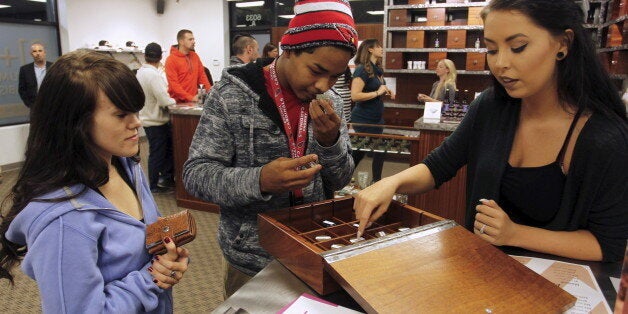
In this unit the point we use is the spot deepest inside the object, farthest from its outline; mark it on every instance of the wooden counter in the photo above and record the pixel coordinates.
(449, 201)
(184, 122)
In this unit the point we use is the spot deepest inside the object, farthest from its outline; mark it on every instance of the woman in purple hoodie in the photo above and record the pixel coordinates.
(81, 203)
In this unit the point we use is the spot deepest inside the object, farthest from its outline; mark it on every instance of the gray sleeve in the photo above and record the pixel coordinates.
(208, 173)
(336, 160)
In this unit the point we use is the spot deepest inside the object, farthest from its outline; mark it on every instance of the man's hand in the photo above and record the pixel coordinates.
(285, 174)
(325, 122)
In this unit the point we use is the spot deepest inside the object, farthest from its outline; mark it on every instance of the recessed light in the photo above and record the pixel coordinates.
(249, 4)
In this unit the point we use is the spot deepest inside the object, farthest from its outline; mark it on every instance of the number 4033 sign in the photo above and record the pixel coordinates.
(253, 18)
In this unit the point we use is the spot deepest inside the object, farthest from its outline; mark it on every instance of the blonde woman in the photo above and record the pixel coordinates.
(446, 71)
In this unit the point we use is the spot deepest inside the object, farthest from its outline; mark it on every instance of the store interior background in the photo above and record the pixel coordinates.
(86, 22)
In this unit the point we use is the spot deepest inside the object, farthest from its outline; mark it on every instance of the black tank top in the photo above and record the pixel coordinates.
(532, 195)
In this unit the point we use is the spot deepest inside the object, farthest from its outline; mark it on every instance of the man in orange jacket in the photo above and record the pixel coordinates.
(184, 69)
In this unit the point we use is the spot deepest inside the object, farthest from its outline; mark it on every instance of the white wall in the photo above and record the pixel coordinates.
(13, 139)
(85, 22)
(119, 21)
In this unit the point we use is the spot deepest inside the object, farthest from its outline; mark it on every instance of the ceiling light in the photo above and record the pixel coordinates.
(249, 4)
(286, 16)
(2, 6)
(39, 0)
(375, 12)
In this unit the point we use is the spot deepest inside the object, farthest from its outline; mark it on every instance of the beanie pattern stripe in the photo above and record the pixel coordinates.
(326, 6)
(321, 23)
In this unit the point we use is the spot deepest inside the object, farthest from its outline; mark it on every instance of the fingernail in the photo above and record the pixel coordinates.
(155, 280)
(483, 200)
(150, 269)
(167, 239)
(152, 260)
(156, 257)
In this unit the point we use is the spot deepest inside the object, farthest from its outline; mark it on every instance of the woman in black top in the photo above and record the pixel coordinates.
(546, 147)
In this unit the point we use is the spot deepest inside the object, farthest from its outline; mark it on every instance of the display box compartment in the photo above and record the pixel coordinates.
(433, 58)
(394, 60)
(436, 16)
(474, 16)
(415, 39)
(456, 38)
(398, 18)
(428, 266)
(476, 61)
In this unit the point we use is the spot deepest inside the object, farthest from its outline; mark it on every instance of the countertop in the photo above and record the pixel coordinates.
(420, 125)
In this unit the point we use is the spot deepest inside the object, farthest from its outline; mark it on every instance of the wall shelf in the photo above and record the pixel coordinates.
(413, 71)
(434, 28)
(462, 50)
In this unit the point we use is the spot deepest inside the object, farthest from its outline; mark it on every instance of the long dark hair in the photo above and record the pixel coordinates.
(60, 151)
(363, 57)
(581, 79)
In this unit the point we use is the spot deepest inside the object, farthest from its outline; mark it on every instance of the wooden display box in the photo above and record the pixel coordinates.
(394, 60)
(474, 16)
(433, 58)
(425, 267)
(398, 18)
(415, 39)
(435, 16)
(476, 61)
(290, 234)
(456, 38)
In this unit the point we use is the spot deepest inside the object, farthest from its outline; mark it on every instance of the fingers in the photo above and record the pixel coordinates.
(294, 163)
(162, 274)
(323, 114)
(171, 249)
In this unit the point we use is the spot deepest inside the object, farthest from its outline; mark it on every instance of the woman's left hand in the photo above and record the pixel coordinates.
(168, 269)
(493, 224)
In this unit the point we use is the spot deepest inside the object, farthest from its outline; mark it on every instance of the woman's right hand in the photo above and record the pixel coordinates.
(382, 90)
(371, 203)
(422, 97)
(167, 269)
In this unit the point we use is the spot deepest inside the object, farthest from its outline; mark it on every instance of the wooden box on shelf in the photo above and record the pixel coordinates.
(394, 60)
(433, 58)
(435, 16)
(400, 271)
(456, 38)
(476, 61)
(474, 16)
(417, 1)
(398, 18)
(415, 39)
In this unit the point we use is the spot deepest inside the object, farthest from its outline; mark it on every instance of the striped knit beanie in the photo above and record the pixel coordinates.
(321, 23)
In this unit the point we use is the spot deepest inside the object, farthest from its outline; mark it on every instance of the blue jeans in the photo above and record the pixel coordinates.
(160, 161)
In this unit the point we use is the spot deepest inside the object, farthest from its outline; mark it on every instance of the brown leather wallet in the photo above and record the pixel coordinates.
(180, 227)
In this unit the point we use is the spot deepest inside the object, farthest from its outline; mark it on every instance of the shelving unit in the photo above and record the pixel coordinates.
(612, 39)
(411, 33)
(411, 30)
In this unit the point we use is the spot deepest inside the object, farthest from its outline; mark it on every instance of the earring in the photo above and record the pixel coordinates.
(560, 55)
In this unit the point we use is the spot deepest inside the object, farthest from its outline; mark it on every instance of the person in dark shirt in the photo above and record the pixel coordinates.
(545, 147)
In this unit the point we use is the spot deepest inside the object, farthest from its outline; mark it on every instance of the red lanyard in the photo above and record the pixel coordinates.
(297, 148)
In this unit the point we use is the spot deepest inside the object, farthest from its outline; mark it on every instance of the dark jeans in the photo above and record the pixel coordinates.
(378, 158)
(376, 167)
(160, 162)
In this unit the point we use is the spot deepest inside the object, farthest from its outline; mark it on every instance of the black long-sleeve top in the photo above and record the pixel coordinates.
(595, 196)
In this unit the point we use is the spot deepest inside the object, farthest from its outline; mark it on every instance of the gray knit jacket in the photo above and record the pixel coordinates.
(240, 131)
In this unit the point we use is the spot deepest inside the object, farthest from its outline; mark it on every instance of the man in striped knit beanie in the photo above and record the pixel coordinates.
(272, 135)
